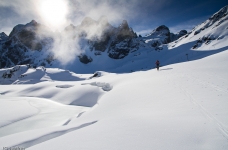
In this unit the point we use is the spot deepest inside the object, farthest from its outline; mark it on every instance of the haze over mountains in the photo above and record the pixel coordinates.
(97, 45)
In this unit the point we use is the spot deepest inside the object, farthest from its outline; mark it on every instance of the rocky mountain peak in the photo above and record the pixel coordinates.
(159, 31)
(103, 20)
(87, 21)
(32, 35)
(183, 32)
(3, 36)
(162, 28)
(162, 35)
(124, 32)
(33, 23)
(70, 27)
(31, 26)
(124, 25)
(221, 13)
(176, 36)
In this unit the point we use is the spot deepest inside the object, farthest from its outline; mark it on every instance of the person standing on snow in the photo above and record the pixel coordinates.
(157, 64)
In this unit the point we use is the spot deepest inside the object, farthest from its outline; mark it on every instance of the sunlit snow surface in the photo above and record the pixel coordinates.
(182, 106)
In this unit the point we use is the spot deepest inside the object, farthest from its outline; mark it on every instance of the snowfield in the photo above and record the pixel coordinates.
(128, 105)
(182, 106)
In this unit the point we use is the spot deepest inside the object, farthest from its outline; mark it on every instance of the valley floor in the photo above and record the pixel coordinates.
(182, 106)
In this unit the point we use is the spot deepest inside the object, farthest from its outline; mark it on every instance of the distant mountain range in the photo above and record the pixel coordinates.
(97, 45)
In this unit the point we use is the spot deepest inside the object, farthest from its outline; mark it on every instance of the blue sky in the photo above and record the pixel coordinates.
(178, 14)
(142, 15)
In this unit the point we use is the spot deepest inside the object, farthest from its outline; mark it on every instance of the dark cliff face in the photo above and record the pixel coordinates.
(3, 36)
(31, 35)
(182, 33)
(170, 37)
(110, 38)
(219, 15)
(124, 32)
(12, 53)
(162, 28)
(18, 48)
(29, 39)
(101, 42)
(123, 42)
(174, 37)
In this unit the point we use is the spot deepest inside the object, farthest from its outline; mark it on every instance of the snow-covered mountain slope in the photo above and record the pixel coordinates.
(161, 35)
(26, 44)
(182, 106)
(24, 74)
(211, 34)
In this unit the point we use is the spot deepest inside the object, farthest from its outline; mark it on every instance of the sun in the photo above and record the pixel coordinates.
(53, 12)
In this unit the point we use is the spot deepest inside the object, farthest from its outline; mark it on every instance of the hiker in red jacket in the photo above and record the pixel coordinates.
(157, 64)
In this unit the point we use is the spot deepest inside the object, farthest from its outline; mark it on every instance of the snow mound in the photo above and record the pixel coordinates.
(62, 75)
(9, 75)
(23, 74)
(31, 76)
(103, 85)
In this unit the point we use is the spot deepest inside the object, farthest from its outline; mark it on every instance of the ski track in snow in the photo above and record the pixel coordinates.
(208, 115)
(21, 119)
(211, 85)
(49, 136)
(46, 111)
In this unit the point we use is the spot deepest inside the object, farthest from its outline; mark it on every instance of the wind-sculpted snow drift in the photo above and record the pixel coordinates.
(25, 74)
(50, 96)
(103, 85)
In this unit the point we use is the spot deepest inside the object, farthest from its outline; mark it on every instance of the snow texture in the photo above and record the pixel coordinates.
(182, 106)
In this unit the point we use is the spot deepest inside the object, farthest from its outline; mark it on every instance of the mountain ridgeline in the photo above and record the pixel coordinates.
(32, 43)
(97, 45)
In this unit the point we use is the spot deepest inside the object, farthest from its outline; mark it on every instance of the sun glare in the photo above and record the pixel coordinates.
(53, 12)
